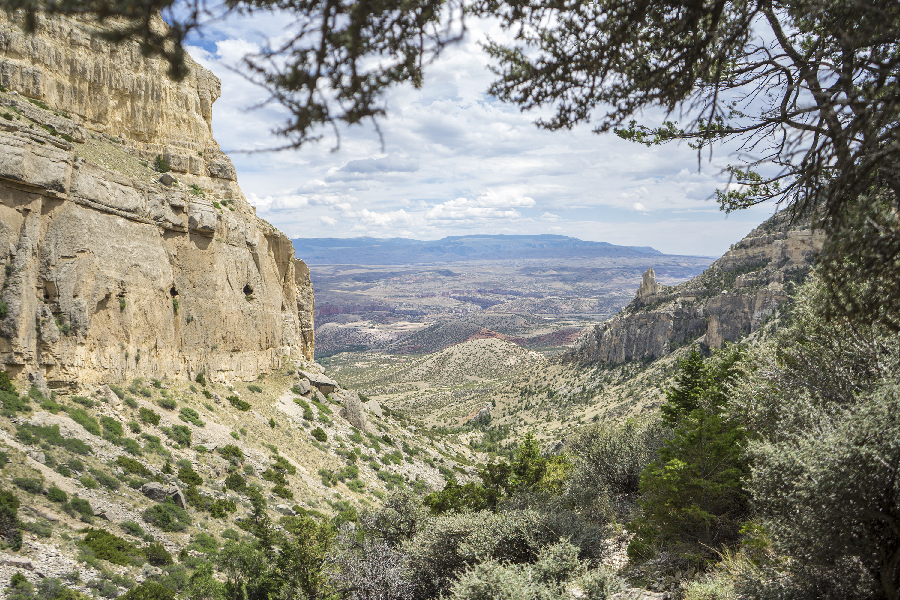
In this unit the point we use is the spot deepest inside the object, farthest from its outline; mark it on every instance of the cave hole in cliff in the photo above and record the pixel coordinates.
(173, 292)
(50, 290)
(248, 291)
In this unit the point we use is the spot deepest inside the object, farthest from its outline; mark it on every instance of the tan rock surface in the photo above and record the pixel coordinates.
(111, 274)
(708, 307)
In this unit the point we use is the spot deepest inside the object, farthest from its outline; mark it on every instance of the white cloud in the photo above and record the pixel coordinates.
(454, 161)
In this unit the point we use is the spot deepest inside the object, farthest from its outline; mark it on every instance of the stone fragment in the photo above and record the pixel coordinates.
(105, 393)
(303, 386)
(374, 407)
(37, 456)
(167, 179)
(353, 410)
(159, 492)
(17, 562)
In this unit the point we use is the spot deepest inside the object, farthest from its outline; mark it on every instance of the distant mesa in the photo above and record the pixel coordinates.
(396, 251)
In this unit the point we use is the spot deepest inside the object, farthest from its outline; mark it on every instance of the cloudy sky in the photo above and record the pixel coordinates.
(455, 161)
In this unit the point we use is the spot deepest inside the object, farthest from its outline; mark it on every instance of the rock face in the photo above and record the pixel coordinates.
(109, 273)
(649, 288)
(729, 300)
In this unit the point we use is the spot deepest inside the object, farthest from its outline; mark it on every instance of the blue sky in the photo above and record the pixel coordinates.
(456, 161)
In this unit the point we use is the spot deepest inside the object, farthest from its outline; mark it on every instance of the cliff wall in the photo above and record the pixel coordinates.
(112, 270)
(731, 299)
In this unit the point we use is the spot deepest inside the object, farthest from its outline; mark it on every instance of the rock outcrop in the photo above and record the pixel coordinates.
(731, 299)
(111, 273)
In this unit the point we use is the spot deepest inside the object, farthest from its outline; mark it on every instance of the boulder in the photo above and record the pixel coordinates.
(159, 492)
(167, 179)
(16, 562)
(303, 386)
(353, 410)
(373, 407)
(37, 456)
(105, 393)
(325, 384)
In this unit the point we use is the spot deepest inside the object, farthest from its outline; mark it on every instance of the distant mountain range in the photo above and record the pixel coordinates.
(396, 251)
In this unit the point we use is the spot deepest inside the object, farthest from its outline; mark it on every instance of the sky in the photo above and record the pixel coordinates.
(455, 161)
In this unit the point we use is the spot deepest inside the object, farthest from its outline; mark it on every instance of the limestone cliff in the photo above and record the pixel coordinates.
(110, 273)
(727, 301)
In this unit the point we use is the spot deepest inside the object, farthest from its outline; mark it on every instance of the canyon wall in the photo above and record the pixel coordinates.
(112, 269)
(731, 299)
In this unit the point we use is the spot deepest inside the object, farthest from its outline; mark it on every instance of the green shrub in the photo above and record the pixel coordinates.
(356, 437)
(319, 434)
(32, 485)
(201, 379)
(54, 494)
(491, 580)
(274, 476)
(254, 388)
(130, 402)
(81, 507)
(131, 446)
(12, 403)
(283, 492)
(112, 426)
(322, 408)
(118, 391)
(6, 384)
(149, 590)
(444, 546)
(235, 482)
(89, 482)
(132, 528)
(146, 415)
(85, 420)
(9, 521)
(168, 516)
(204, 542)
(220, 508)
(134, 426)
(167, 403)
(85, 402)
(207, 394)
(189, 415)
(157, 555)
(180, 434)
(238, 403)
(130, 465)
(283, 465)
(112, 548)
(105, 479)
(41, 528)
(231, 452)
(189, 476)
(160, 164)
(76, 465)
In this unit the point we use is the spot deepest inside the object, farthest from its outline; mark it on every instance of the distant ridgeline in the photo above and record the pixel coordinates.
(729, 300)
(398, 251)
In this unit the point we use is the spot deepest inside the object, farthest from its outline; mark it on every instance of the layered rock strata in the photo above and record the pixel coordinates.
(111, 274)
(731, 299)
